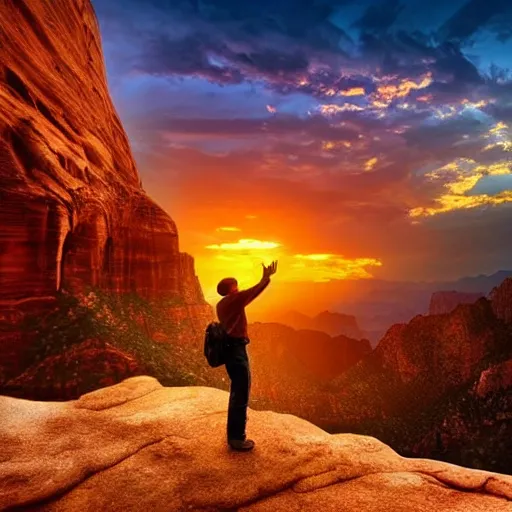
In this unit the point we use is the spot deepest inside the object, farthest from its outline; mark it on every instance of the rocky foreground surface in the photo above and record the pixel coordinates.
(140, 446)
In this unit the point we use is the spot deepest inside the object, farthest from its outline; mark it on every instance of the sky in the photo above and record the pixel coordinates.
(348, 139)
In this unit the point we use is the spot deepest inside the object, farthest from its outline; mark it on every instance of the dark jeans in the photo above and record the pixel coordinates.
(237, 366)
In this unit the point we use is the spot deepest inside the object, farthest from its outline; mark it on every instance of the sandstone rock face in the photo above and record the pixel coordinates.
(72, 209)
(73, 213)
(446, 301)
(140, 446)
(188, 283)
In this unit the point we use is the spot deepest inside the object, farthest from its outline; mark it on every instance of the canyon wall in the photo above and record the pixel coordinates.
(447, 348)
(73, 213)
(438, 386)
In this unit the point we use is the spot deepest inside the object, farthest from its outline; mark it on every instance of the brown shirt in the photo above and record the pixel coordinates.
(231, 309)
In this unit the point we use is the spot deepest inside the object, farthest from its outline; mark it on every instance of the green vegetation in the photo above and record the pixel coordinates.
(128, 323)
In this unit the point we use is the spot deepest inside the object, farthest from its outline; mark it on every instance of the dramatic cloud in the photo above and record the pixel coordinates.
(360, 138)
(228, 228)
(326, 267)
(244, 244)
(471, 17)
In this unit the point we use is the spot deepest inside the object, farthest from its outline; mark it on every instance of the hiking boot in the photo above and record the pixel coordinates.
(241, 445)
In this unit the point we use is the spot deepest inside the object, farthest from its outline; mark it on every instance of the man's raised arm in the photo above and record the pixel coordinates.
(247, 296)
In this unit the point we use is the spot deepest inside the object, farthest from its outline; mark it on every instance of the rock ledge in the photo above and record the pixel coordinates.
(140, 446)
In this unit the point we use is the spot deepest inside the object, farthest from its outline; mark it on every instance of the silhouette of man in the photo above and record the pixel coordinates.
(231, 314)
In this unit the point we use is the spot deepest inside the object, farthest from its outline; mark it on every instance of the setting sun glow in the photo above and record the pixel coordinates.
(242, 258)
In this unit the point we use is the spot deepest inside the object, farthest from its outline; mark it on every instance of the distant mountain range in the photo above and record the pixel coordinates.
(376, 305)
(437, 386)
(381, 304)
(481, 283)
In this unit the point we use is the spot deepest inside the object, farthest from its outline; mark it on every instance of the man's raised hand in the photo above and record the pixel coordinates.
(271, 269)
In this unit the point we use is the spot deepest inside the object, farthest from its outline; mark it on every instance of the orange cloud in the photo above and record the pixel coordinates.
(332, 109)
(381, 99)
(460, 177)
(353, 91)
(329, 145)
(389, 92)
(370, 164)
(500, 125)
(328, 267)
(450, 202)
(500, 136)
(244, 244)
(379, 104)
(228, 228)
(478, 104)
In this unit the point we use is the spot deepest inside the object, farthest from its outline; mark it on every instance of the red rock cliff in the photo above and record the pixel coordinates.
(73, 213)
(448, 348)
(72, 209)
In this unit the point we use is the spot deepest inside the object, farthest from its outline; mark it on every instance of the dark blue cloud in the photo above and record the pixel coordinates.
(393, 82)
(471, 17)
(379, 17)
(228, 41)
(365, 104)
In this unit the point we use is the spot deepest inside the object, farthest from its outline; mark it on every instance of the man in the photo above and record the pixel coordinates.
(231, 314)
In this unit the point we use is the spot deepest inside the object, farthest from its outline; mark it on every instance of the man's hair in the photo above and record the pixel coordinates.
(225, 285)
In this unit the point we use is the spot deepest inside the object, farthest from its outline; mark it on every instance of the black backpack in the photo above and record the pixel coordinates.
(215, 340)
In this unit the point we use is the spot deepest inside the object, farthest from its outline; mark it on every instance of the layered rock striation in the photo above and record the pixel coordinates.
(73, 213)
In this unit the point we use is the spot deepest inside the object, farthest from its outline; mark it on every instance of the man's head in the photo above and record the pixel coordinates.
(227, 285)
